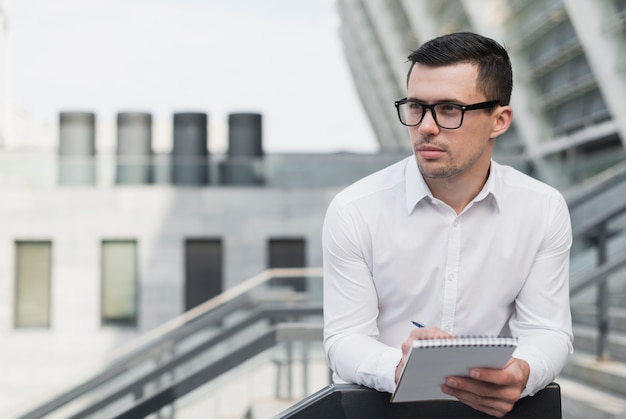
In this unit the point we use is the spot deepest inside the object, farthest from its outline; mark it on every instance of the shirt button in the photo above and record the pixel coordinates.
(455, 223)
(451, 277)
(448, 329)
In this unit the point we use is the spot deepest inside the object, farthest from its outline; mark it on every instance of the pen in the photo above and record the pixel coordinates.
(417, 324)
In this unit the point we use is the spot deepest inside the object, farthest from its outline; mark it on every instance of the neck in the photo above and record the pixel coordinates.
(457, 193)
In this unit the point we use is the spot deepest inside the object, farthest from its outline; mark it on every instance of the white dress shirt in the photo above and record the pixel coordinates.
(393, 253)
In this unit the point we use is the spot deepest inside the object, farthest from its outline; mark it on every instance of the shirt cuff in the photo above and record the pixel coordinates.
(386, 369)
(536, 377)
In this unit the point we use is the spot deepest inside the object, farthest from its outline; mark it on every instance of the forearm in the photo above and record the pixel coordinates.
(542, 319)
(363, 360)
(546, 354)
(351, 332)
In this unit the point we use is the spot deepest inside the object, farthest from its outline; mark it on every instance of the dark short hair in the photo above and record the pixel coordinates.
(495, 75)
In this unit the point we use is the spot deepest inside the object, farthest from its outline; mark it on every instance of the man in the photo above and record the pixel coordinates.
(450, 239)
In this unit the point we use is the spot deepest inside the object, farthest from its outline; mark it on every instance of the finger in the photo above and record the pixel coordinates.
(490, 405)
(492, 375)
(429, 333)
(406, 346)
(508, 393)
(468, 385)
(512, 374)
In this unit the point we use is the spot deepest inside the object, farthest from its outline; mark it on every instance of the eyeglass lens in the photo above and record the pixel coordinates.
(445, 115)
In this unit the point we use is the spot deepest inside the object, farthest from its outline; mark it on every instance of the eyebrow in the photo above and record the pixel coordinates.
(460, 102)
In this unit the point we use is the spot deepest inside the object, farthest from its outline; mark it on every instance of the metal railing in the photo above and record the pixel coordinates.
(197, 347)
(599, 277)
(596, 230)
(284, 332)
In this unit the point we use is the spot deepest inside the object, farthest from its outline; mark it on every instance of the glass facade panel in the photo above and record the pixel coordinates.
(549, 47)
(579, 112)
(119, 283)
(203, 270)
(287, 253)
(33, 267)
(565, 77)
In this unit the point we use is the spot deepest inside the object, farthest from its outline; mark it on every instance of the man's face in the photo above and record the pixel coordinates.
(445, 153)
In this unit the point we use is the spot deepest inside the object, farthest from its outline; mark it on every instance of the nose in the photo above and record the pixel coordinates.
(428, 124)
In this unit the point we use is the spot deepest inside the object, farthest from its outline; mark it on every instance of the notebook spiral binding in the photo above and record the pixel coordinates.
(464, 341)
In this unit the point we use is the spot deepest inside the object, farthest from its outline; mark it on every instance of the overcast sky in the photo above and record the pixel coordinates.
(282, 58)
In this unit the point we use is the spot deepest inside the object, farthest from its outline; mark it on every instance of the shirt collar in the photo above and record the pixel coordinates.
(416, 188)
(493, 186)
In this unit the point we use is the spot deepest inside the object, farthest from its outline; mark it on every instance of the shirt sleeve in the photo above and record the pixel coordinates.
(351, 307)
(542, 318)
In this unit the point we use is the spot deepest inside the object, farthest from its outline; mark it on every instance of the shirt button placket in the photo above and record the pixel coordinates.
(452, 268)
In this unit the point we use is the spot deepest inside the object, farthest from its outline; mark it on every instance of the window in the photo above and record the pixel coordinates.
(579, 112)
(32, 290)
(553, 44)
(565, 77)
(287, 253)
(203, 270)
(119, 283)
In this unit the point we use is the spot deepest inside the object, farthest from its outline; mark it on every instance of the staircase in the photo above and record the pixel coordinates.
(222, 359)
(593, 384)
(593, 387)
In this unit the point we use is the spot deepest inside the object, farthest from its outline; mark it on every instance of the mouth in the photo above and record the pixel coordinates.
(430, 152)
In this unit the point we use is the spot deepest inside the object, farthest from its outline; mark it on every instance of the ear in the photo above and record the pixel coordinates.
(503, 116)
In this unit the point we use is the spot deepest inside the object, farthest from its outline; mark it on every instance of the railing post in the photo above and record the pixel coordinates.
(289, 368)
(138, 392)
(165, 356)
(602, 301)
(305, 369)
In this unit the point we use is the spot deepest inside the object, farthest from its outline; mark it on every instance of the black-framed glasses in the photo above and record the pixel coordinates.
(446, 115)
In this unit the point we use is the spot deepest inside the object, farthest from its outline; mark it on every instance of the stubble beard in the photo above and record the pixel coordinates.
(445, 170)
(436, 173)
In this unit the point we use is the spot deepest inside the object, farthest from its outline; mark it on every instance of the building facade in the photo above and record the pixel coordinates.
(569, 61)
(98, 249)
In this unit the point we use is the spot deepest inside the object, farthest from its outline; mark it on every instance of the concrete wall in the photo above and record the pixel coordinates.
(34, 362)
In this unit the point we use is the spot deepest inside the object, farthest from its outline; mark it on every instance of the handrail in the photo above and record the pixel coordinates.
(599, 277)
(161, 338)
(279, 333)
(591, 224)
(130, 357)
(594, 229)
(219, 366)
(159, 333)
(599, 273)
(581, 193)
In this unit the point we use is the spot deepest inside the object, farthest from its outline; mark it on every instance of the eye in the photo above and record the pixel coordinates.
(414, 105)
(448, 108)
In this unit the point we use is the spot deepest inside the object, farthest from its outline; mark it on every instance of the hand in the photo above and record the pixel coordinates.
(417, 334)
(491, 391)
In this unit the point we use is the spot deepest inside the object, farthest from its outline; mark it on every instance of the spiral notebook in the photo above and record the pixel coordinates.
(430, 361)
